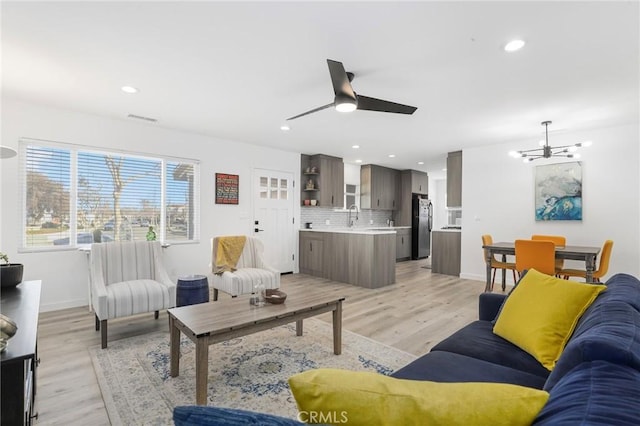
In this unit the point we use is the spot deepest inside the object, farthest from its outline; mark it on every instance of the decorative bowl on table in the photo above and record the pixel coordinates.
(275, 296)
(8, 329)
(10, 274)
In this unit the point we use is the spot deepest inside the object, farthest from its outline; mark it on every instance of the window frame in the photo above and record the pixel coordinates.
(74, 150)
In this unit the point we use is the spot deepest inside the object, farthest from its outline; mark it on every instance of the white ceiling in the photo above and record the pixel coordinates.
(238, 70)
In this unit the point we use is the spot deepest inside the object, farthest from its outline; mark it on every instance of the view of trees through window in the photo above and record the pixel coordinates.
(86, 196)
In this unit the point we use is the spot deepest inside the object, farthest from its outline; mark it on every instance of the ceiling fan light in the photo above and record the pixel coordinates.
(346, 106)
(345, 103)
(514, 45)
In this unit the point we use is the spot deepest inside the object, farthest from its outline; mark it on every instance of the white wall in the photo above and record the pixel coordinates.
(498, 198)
(64, 274)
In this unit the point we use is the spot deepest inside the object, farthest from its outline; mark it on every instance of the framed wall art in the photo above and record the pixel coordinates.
(226, 188)
(558, 191)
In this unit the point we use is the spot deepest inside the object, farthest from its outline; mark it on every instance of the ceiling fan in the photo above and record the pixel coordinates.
(346, 100)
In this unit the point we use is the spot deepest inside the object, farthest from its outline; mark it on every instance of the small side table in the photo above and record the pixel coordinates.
(192, 289)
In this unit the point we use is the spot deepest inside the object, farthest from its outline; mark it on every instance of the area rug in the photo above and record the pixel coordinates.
(248, 373)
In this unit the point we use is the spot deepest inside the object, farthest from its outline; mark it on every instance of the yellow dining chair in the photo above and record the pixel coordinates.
(558, 241)
(536, 254)
(603, 267)
(487, 240)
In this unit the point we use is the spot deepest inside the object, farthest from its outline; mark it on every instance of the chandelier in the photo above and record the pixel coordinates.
(546, 151)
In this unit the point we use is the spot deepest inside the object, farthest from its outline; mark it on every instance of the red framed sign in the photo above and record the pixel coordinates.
(226, 188)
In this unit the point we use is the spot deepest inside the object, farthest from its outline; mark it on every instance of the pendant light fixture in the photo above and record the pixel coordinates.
(547, 151)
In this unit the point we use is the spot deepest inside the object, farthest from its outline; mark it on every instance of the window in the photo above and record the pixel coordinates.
(76, 195)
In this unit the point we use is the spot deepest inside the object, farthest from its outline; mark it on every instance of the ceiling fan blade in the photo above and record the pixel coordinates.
(311, 112)
(373, 104)
(340, 80)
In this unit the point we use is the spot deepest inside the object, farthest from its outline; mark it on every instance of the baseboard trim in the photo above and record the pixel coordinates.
(48, 307)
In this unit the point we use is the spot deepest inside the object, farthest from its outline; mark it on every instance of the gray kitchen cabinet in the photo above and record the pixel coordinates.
(327, 175)
(403, 244)
(454, 179)
(364, 259)
(410, 182)
(378, 188)
(419, 182)
(445, 252)
(311, 253)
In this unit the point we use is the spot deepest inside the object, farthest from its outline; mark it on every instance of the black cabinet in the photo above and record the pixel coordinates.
(20, 360)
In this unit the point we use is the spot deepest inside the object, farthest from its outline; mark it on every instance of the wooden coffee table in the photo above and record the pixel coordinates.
(209, 323)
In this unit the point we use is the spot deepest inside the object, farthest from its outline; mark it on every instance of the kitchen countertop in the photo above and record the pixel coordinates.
(367, 231)
(446, 230)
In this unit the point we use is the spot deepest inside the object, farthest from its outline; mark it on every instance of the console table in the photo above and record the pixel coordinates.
(19, 361)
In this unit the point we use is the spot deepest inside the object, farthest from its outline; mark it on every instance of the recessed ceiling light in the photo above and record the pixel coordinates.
(285, 128)
(421, 162)
(129, 89)
(392, 155)
(358, 161)
(514, 45)
(355, 146)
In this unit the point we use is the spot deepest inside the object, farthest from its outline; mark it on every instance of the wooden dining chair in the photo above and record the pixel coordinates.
(487, 240)
(536, 254)
(603, 267)
(558, 240)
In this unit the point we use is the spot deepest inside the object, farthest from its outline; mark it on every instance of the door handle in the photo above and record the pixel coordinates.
(257, 230)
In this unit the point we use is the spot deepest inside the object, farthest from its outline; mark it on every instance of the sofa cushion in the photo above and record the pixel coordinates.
(442, 366)
(198, 415)
(477, 340)
(365, 398)
(623, 288)
(541, 313)
(610, 332)
(594, 393)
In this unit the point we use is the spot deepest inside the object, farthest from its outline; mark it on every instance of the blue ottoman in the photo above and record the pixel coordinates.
(192, 289)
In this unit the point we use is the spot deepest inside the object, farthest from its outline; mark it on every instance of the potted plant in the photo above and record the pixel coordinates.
(10, 273)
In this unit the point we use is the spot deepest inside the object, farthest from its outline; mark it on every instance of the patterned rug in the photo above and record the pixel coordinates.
(249, 373)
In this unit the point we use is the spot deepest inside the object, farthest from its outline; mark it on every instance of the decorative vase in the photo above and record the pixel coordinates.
(10, 274)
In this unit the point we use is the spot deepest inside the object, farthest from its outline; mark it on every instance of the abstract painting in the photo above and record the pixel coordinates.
(559, 191)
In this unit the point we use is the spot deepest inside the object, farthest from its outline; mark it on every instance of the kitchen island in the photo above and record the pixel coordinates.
(446, 251)
(362, 257)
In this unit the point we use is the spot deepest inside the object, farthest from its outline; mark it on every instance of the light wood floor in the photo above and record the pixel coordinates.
(412, 315)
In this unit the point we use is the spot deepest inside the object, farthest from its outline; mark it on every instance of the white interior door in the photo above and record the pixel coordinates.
(273, 217)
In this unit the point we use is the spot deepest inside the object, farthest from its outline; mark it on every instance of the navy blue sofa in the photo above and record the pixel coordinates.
(596, 381)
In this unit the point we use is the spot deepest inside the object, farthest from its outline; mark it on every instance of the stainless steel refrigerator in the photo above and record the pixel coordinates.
(422, 222)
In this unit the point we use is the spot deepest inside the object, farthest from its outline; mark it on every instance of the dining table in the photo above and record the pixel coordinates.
(583, 253)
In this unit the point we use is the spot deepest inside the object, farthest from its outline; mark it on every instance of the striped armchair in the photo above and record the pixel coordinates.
(251, 267)
(128, 278)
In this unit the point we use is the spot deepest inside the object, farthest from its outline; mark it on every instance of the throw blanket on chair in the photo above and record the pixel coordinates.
(227, 253)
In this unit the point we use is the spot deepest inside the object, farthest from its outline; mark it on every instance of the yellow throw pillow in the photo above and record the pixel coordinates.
(332, 396)
(541, 313)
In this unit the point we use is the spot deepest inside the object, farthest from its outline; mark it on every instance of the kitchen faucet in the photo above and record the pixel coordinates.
(349, 221)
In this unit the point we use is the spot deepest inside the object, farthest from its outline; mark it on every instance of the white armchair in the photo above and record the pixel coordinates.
(251, 267)
(128, 278)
